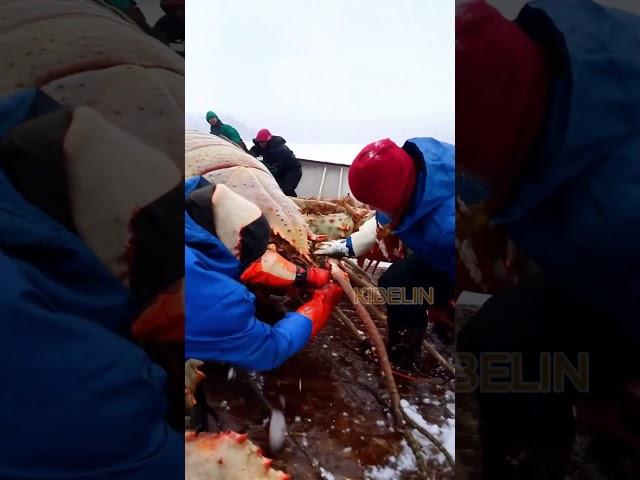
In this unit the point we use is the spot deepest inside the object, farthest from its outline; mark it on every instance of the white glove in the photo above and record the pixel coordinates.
(365, 238)
(361, 242)
(333, 248)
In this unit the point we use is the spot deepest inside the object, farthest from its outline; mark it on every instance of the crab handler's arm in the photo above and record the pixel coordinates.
(64, 314)
(356, 245)
(222, 325)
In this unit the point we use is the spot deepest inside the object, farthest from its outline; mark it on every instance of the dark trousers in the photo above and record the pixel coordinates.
(408, 320)
(535, 319)
(288, 181)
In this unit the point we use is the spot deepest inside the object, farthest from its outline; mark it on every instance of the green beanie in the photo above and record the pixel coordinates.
(211, 115)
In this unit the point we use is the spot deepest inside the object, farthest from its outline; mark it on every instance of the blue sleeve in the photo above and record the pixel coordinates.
(14, 109)
(78, 400)
(433, 240)
(221, 324)
(350, 247)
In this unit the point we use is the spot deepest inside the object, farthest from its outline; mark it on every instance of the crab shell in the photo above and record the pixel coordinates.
(226, 456)
(333, 226)
(84, 53)
(220, 161)
(334, 219)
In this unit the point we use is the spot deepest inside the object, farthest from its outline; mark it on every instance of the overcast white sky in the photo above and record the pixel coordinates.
(331, 71)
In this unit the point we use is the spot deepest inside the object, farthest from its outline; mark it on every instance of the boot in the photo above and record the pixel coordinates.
(405, 346)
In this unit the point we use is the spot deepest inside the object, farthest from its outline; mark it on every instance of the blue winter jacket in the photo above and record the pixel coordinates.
(577, 210)
(78, 400)
(220, 323)
(429, 225)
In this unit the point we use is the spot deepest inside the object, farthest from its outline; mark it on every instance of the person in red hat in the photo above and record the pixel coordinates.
(279, 159)
(548, 141)
(412, 190)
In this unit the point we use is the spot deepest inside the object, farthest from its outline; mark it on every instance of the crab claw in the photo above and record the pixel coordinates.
(321, 238)
(336, 271)
(189, 399)
(192, 377)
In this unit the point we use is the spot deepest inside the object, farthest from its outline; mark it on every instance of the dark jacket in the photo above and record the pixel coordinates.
(577, 211)
(276, 156)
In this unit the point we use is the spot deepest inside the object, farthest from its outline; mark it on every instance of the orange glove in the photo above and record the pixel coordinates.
(163, 321)
(319, 308)
(275, 271)
(313, 277)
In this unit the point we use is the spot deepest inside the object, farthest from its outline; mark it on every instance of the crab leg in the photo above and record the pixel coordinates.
(342, 278)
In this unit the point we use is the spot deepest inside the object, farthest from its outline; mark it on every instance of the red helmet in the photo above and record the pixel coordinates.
(383, 175)
(263, 135)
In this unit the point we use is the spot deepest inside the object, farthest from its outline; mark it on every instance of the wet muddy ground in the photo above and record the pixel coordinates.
(335, 408)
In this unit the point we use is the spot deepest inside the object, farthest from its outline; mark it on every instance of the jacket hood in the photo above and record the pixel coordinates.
(435, 182)
(200, 239)
(575, 138)
(276, 141)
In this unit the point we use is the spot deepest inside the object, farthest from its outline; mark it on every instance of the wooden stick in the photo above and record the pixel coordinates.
(342, 317)
(357, 267)
(359, 281)
(375, 267)
(431, 438)
(367, 282)
(342, 278)
(445, 363)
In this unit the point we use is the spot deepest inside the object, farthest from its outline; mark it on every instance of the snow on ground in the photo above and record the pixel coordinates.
(446, 433)
(405, 461)
(326, 475)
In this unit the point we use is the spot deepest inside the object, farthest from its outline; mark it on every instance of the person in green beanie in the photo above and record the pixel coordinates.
(223, 130)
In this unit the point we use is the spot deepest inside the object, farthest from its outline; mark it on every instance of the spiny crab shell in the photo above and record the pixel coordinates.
(80, 53)
(220, 161)
(333, 219)
(226, 456)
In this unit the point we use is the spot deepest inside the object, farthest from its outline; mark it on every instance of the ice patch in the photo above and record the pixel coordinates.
(404, 462)
(326, 475)
(445, 433)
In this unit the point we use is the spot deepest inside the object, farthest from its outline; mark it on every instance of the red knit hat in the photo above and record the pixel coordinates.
(383, 175)
(263, 135)
(501, 92)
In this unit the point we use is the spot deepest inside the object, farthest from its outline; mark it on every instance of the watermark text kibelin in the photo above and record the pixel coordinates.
(395, 295)
(515, 372)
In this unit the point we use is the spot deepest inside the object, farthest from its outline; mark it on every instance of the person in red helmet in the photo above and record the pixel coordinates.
(279, 159)
(412, 190)
(547, 134)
